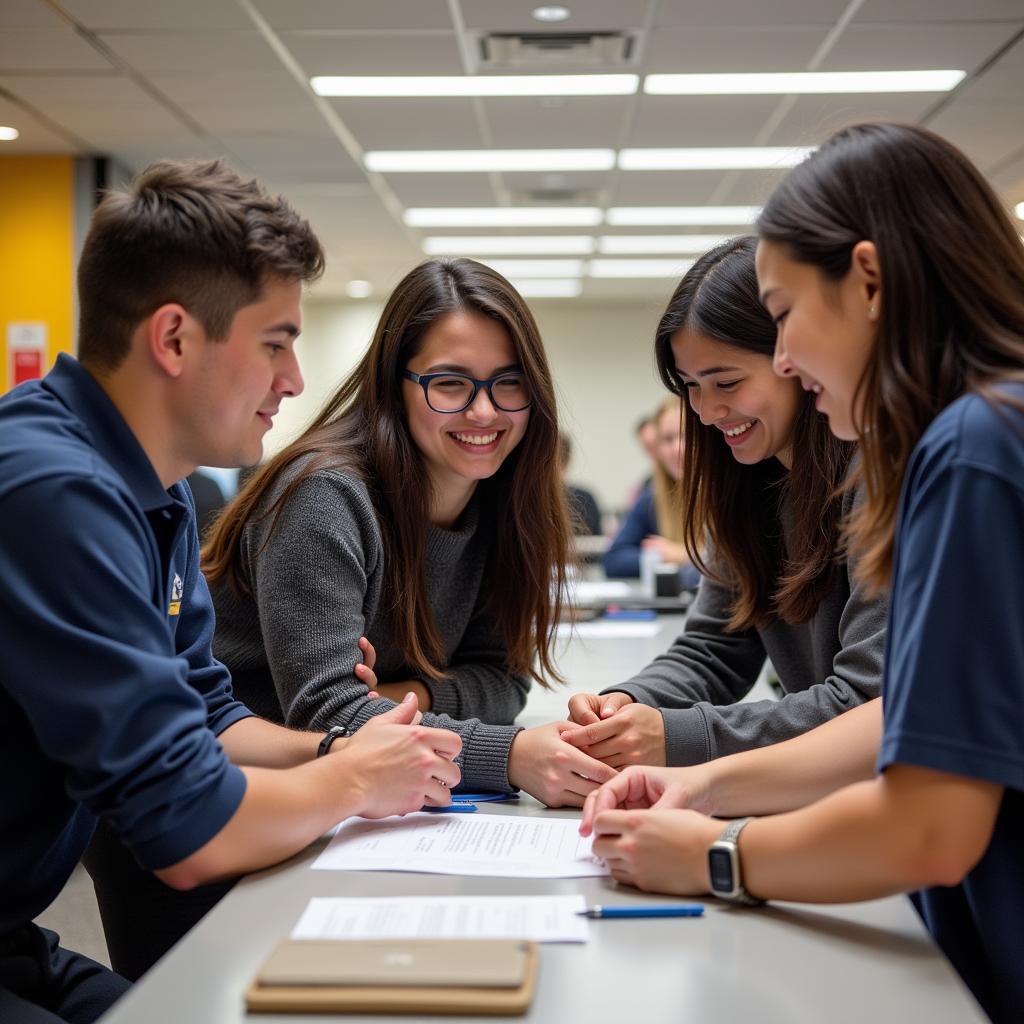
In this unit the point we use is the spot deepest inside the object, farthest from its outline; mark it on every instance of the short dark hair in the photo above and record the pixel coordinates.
(192, 232)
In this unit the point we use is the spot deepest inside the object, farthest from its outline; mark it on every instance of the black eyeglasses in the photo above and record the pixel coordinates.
(453, 392)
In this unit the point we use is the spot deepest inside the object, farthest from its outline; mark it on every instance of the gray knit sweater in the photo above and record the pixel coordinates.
(826, 665)
(292, 646)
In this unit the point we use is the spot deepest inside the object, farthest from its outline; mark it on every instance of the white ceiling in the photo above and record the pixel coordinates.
(142, 79)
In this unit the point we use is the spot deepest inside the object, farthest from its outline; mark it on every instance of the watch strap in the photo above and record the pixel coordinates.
(335, 732)
(730, 838)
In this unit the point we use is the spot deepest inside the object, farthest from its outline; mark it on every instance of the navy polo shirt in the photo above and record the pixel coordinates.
(110, 699)
(954, 673)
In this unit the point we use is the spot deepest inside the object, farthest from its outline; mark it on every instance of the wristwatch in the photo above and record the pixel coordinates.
(724, 866)
(330, 736)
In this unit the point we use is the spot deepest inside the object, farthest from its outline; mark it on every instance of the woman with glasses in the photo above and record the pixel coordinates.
(759, 484)
(422, 511)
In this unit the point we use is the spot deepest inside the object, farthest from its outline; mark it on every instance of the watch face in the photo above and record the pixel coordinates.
(720, 868)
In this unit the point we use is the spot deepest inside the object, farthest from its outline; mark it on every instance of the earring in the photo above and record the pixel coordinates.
(872, 311)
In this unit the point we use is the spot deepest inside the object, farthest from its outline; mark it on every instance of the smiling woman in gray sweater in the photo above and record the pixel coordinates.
(762, 482)
(424, 510)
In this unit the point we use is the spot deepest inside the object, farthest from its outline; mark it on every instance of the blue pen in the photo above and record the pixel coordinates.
(451, 809)
(654, 910)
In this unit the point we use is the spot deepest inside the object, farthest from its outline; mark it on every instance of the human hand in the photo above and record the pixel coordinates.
(642, 787)
(551, 770)
(364, 670)
(631, 735)
(394, 766)
(657, 851)
(587, 708)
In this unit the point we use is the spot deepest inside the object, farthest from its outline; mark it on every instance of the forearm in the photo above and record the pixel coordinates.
(788, 775)
(909, 829)
(257, 743)
(282, 812)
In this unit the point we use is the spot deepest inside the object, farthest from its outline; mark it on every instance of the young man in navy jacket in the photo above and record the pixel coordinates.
(111, 705)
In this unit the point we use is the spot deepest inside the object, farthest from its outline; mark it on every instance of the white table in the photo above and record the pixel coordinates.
(780, 964)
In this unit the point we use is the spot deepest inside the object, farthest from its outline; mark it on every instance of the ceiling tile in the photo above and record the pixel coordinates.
(938, 10)
(47, 49)
(242, 104)
(135, 15)
(297, 158)
(813, 119)
(34, 136)
(921, 45)
(433, 123)
(198, 53)
(443, 189)
(557, 122)
(28, 14)
(387, 54)
(591, 16)
(732, 49)
(700, 120)
(664, 188)
(729, 13)
(356, 15)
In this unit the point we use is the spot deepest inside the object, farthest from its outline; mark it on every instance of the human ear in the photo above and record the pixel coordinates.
(864, 265)
(166, 331)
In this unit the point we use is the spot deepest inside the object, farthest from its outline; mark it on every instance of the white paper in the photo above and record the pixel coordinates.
(608, 629)
(599, 590)
(500, 845)
(537, 918)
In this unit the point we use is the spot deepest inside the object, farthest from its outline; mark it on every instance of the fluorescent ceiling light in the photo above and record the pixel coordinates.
(625, 244)
(474, 85)
(549, 288)
(510, 160)
(8, 134)
(358, 289)
(1019, 210)
(551, 12)
(642, 216)
(638, 268)
(790, 83)
(502, 217)
(522, 269)
(716, 159)
(508, 245)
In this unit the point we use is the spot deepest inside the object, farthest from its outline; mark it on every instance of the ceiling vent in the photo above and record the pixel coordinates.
(532, 50)
(555, 197)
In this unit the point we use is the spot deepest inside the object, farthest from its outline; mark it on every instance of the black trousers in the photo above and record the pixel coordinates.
(41, 983)
(142, 917)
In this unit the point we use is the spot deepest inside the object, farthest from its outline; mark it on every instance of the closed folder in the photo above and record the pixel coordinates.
(416, 976)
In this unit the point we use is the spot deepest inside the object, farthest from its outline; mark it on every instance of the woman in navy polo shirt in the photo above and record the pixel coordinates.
(897, 281)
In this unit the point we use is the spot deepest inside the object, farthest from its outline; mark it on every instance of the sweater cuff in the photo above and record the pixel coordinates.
(687, 737)
(485, 758)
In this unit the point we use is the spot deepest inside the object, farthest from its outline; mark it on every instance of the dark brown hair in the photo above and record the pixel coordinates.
(952, 292)
(363, 426)
(194, 233)
(734, 510)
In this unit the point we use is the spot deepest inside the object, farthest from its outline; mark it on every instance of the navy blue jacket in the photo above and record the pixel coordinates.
(110, 700)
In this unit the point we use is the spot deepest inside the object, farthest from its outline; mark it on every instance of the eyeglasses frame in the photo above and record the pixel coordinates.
(424, 379)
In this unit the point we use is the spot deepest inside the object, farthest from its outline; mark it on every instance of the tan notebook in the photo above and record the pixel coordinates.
(439, 976)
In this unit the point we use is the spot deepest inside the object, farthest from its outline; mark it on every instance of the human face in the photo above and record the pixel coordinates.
(235, 387)
(668, 442)
(735, 391)
(462, 448)
(826, 331)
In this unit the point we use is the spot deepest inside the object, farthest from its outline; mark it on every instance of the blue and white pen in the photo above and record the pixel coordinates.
(652, 910)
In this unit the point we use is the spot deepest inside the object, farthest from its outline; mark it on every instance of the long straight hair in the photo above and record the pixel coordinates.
(363, 426)
(952, 301)
(665, 487)
(735, 510)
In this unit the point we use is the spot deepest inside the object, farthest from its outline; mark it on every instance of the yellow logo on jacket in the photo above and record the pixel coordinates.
(177, 589)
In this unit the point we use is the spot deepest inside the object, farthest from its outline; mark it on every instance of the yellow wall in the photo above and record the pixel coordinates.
(36, 249)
